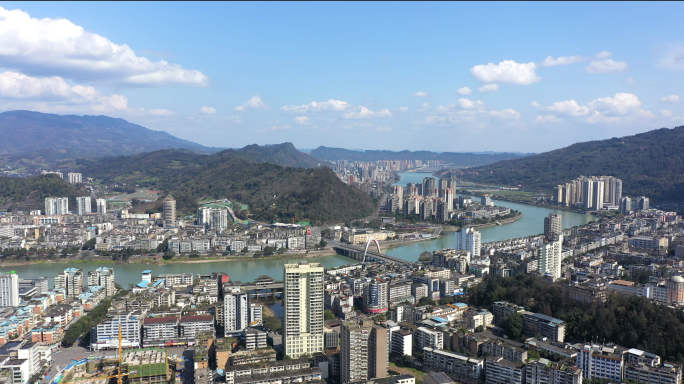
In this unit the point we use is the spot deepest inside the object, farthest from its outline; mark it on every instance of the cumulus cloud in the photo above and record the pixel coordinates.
(462, 103)
(365, 113)
(507, 71)
(302, 120)
(316, 107)
(424, 107)
(601, 110)
(207, 110)
(420, 94)
(464, 91)
(254, 103)
(606, 66)
(546, 119)
(670, 99)
(535, 104)
(160, 112)
(561, 60)
(488, 88)
(402, 109)
(506, 114)
(665, 112)
(53, 94)
(60, 47)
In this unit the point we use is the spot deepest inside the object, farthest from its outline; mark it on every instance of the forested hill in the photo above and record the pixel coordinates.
(457, 159)
(649, 164)
(33, 134)
(30, 193)
(282, 154)
(311, 193)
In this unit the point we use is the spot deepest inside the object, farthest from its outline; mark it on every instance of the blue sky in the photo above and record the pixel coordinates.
(524, 77)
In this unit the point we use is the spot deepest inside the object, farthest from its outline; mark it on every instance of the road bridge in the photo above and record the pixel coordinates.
(357, 253)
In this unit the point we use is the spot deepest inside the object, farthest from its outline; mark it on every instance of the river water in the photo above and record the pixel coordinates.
(532, 223)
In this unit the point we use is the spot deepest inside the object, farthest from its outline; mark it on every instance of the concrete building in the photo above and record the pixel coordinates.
(402, 343)
(71, 280)
(375, 297)
(553, 225)
(600, 362)
(500, 371)
(424, 337)
(551, 257)
(235, 310)
(303, 308)
(158, 330)
(74, 178)
(106, 334)
(503, 309)
(101, 206)
(543, 371)
(83, 205)
(364, 351)
(470, 240)
(169, 208)
(9, 289)
(56, 206)
(453, 364)
(675, 290)
(103, 277)
(667, 373)
(191, 326)
(537, 324)
(213, 217)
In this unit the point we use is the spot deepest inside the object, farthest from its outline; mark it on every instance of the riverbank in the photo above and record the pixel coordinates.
(501, 222)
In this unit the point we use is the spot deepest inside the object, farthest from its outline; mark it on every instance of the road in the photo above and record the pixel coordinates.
(382, 202)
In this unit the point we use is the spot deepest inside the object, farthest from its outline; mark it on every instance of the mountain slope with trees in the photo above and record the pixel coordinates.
(30, 192)
(648, 163)
(313, 193)
(32, 135)
(458, 159)
(282, 154)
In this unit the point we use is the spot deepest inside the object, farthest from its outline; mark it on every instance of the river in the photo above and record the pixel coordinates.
(531, 224)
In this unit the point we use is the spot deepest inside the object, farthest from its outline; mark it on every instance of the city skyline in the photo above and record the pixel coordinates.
(347, 76)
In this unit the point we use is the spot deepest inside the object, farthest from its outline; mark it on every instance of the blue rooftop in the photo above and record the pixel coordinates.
(147, 271)
(143, 284)
(460, 305)
(157, 283)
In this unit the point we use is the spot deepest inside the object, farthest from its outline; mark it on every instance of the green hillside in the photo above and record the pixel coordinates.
(649, 164)
(30, 193)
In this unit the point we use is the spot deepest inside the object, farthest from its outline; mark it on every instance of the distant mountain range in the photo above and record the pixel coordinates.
(648, 163)
(456, 158)
(27, 134)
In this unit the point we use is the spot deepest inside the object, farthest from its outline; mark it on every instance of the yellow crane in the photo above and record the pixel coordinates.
(119, 376)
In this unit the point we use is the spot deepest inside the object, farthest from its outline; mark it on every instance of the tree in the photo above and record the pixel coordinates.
(425, 257)
(90, 244)
(407, 361)
(513, 326)
(168, 255)
(426, 301)
(328, 315)
(269, 251)
(380, 317)
(479, 328)
(323, 243)
(273, 323)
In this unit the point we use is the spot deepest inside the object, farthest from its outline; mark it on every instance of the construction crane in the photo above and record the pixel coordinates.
(119, 376)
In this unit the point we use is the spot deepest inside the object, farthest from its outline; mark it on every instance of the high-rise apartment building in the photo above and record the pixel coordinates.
(56, 206)
(103, 277)
(235, 310)
(169, 207)
(364, 351)
(593, 192)
(375, 296)
(642, 203)
(70, 280)
(429, 186)
(553, 225)
(486, 200)
(101, 206)
(470, 240)
(9, 289)
(551, 256)
(74, 178)
(216, 218)
(625, 205)
(83, 205)
(303, 309)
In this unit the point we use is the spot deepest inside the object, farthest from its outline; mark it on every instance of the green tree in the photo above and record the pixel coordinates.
(168, 255)
(513, 326)
(273, 323)
(328, 315)
(425, 257)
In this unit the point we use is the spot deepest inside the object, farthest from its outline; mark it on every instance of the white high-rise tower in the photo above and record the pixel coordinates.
(470, 240)
(303, 307)
(9, 289)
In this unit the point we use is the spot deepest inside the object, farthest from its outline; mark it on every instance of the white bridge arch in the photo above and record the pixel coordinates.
(372, 239)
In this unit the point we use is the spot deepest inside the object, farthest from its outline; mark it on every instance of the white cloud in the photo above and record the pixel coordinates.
(621, 104)
(365, 113)
(420, 94)
(207, 110)
(603, 55)
(568, 107)
(507, 71)
(670, 99)
(602, 110)
(561, 60)
(254, 103)
(506, 114)
(535, 104)
(461, 104)
(464, 91)
(274, 128)
(488, 88)
(402, 109)
(546, 119)
(302, 120)
(631, 81)
(424, 107)
(53, 94)
(665, 112)
(315, 107)
(59, 47)
(606, 66)
(160, 112)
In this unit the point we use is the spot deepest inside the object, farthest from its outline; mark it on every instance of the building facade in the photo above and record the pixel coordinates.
(303, 309)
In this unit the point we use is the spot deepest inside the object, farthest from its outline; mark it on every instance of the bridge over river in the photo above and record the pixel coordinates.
(358, 253)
